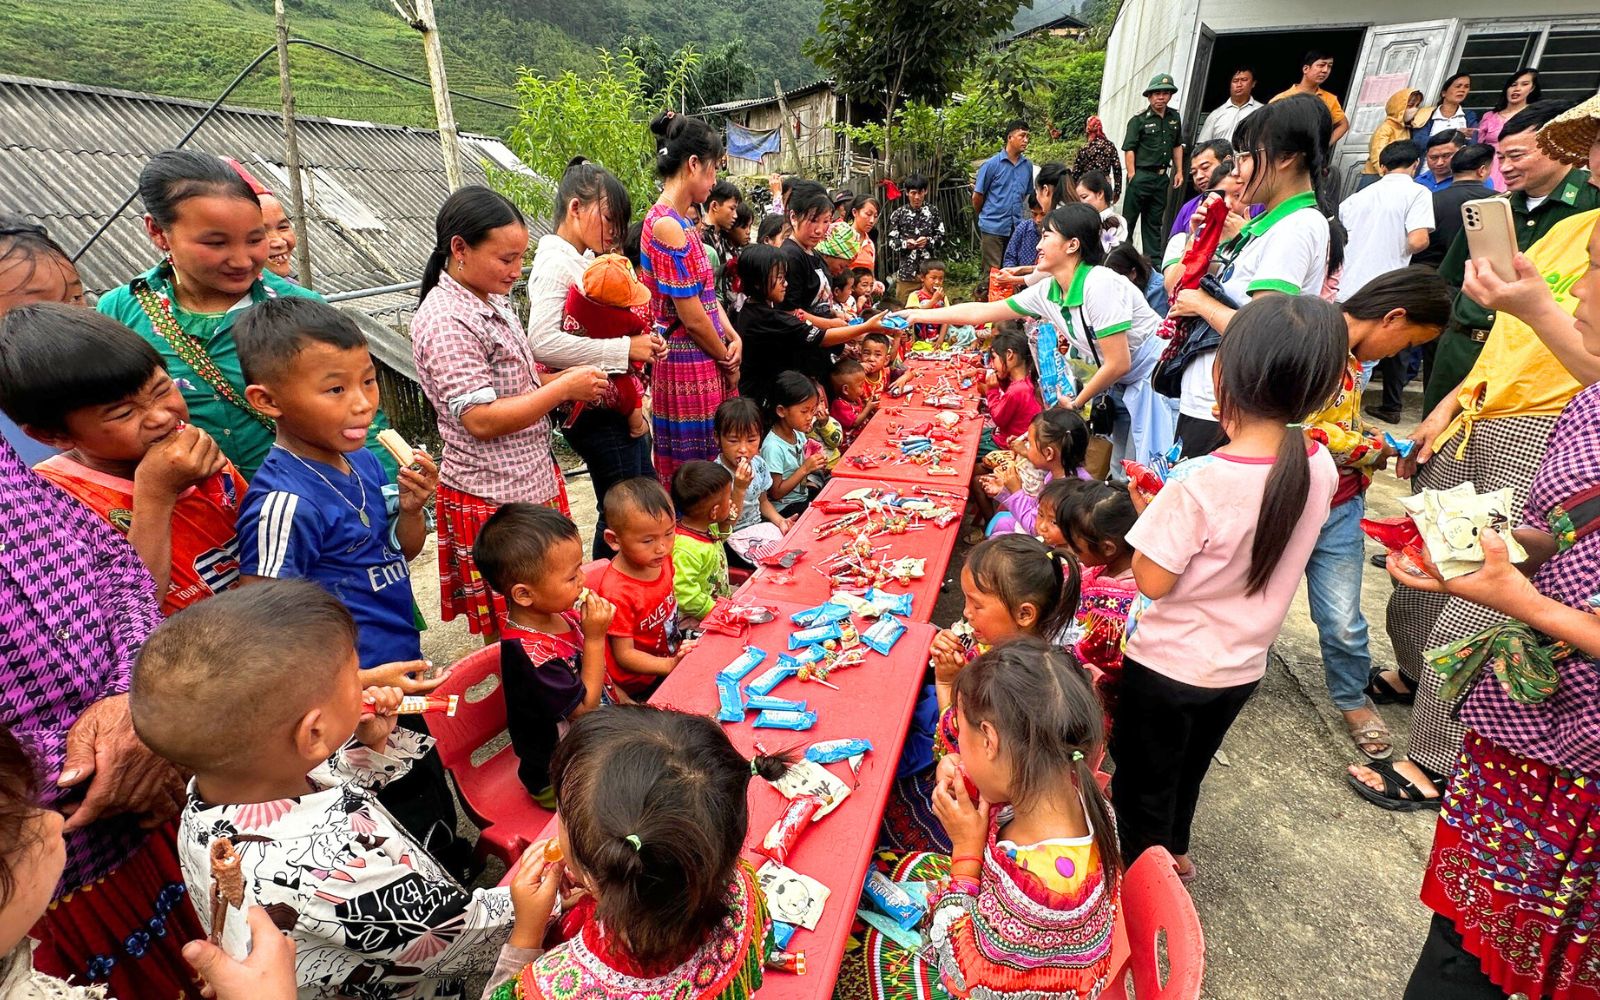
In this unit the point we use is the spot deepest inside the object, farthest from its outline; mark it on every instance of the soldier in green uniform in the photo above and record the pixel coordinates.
(1153, 149)
(1558, 193)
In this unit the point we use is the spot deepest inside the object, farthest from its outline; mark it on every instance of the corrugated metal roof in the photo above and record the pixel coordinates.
(69, 155)
(756, 102)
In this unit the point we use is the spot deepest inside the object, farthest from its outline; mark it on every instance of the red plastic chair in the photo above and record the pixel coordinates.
(491, 791)
(1154, 901)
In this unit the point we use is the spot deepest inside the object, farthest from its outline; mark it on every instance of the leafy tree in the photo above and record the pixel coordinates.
(893, 50)
(724, 73)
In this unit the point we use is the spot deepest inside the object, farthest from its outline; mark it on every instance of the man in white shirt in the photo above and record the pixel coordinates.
(1241, 104)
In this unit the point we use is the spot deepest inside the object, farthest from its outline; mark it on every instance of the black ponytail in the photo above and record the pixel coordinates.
(1282, 360)
(471, 213)
(1020, 569)
(1066, 432)
(1298, 126)
(1012, 341)
(679, 137)
(1080, 222)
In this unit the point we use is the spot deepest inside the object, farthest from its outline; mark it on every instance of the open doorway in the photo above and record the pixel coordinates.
(1275, 57)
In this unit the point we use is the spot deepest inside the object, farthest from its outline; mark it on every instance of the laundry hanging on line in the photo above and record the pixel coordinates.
(751, 145)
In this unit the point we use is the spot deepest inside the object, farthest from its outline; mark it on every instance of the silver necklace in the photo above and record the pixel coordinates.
(361, 511)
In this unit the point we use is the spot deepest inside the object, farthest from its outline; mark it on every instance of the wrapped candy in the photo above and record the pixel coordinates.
(772, 677)
(816, 635)
(884, 633)
(730, 700)
(781, 560)
(788, 961)
(1397, 534)
(823, 614)
(892, 900)
(895, 604)
(811, 654)
(786, 831)
(785, 720)
(742, 664)
(767, 702)
(426, 704)
(858, 605)
(1401, 446)
(1144, 480)
(782, 934)
(830, 751)
(735, 619)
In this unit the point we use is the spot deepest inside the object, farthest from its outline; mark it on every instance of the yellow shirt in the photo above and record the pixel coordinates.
(1516, 375)
(1334, 107)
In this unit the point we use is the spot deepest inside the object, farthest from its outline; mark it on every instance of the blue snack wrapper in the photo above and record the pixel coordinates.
(731, 700)
(823, 614)
(889, 604)
(782, 933)
(894, 322)
(811, 654)
(785, 720)
(884, 633)
(771, 678)
(816, 635)
(881, 891)
(1401, 447)
(832, 751)
(746, 661)
(764, 702)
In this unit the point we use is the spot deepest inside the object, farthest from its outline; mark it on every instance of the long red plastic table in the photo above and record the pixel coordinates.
(874, 702)
(806, 585)
(947, 377)
(894, 421)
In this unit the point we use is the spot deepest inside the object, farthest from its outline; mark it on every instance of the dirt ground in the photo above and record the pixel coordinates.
(1305, 891)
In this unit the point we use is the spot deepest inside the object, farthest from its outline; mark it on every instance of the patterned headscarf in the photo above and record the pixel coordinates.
(1094, 130)
(842, 241)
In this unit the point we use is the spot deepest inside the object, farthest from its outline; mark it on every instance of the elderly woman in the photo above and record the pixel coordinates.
(1098, 153)
(1512, 876)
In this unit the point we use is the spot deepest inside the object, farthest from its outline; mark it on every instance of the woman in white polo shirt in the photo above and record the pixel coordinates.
(1279, 154)
(1099, 316)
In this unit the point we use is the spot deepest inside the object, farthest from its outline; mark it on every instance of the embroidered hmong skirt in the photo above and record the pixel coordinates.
(881, 968)
(686, 387)
(462, 591)
(1516, 868)
(1502, 452)
(127, 929)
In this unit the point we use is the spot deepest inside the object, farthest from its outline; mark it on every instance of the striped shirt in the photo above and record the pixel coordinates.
(301, 519)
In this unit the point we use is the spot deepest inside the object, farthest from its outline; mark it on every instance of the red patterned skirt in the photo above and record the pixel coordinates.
(1516, 868)
(462, 591)
(127, 929)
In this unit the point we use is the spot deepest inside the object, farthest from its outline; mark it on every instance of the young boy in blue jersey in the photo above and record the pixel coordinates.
(317, 509)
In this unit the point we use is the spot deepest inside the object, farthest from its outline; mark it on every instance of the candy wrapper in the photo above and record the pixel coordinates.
(797, 721)
(806, 777)
(782, 560)
(1452, 521)
(427, 704)
(831, 751)
(826, 613)
(1397, 534)
(782, 934)
(787, 961)
(791, 823)
(1401, 446)
(772, 677)
(792, 897)
(742, 664)
(816, 635)
(892, 900)
(859, 606)
(769, 703)
(1144, 480)
(890, 604)
(811, 654)
(895, 322)
(884, 633)
(735, 619)
(730, 700)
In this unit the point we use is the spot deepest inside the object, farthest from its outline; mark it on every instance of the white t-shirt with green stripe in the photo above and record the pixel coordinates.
(1287, 252)
(1099, 303)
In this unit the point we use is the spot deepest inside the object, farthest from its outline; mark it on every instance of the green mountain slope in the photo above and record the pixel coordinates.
(192, 48)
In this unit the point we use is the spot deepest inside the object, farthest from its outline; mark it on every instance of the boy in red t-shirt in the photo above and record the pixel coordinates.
(848, 402)
(553, 655)
(644, 637)
(82, 382)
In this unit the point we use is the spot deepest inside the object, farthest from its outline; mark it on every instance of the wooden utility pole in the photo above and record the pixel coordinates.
(788, 126)
(291, 149)
(419, 14)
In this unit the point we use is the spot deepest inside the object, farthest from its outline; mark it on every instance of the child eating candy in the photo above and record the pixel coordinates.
(757, 522)
(850, 405)
(85, 384)
(553, 641)
(703, 494)
(786, 449)
(602, 306)
(877, 356)
(259, 694)
(644, 635)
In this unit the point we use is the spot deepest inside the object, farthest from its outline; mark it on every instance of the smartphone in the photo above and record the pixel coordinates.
(1491, 234)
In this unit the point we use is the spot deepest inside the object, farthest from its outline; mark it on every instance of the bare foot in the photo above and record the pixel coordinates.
(1183, 866)
(1405, 768)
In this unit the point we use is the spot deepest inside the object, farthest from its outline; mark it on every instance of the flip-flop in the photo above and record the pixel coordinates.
(1383, 693)
(1398, 795)
(1372, 732)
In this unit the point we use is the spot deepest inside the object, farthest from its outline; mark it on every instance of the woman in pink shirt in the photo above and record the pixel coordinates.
(1218, 554)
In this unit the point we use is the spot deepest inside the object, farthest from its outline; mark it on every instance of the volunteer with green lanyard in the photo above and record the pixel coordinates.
(1279, 152)
(1101, 317)
(207, 222)
(1152, 145)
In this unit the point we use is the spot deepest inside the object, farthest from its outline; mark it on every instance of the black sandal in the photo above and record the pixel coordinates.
(1383, 693)
(1399, 794)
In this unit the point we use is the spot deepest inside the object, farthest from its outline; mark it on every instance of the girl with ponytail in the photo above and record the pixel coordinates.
(653, 808)
(1220, 551)
(476, 368)
(1032, 840)
(1280, 157)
